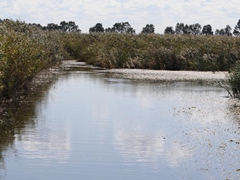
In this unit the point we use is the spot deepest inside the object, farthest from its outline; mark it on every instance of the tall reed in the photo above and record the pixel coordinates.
(154, 51)
(24, 51)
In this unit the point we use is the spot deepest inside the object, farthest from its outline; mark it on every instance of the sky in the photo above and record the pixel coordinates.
(160, 13)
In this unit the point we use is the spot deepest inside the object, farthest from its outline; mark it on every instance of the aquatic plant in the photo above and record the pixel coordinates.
(234, 81)
(154, 51)
(24, 51)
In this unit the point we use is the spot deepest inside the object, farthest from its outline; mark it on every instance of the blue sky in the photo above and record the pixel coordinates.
(161, 13)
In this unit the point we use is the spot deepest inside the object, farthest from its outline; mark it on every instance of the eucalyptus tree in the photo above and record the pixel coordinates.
(224, 32)
(69, 26)
(123, 27)
(195, 29)
(179, 28)
(97, 28)
(64, 27)
(207, 30)
(148, 29)
(169, 30)
(236, 30)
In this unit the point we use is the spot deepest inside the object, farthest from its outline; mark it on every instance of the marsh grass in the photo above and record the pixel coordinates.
(234, 81)
(167, 52)
(24, 51)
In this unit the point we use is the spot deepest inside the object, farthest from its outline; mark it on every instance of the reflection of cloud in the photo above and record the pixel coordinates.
(149, 146)
(177, 153)
(145, 146)
(54, 144)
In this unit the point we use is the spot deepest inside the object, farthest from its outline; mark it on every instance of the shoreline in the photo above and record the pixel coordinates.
(207, 77)
(154, 75)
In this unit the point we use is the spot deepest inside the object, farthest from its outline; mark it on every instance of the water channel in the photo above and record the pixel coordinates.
(87, 125)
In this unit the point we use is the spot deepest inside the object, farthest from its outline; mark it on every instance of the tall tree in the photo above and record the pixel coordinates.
(123, 27)
(109, 30)
(69, 26)
(224, 32)
(148, 29)
(52, 27)
(97, 28)
(179, 28)
(228, 30)
(219, 32)
(64, 26)
(169, 30)
(207, 30)
(195, 29)
(236, 30)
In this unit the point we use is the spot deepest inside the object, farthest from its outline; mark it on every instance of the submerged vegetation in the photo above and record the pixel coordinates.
(25, 49)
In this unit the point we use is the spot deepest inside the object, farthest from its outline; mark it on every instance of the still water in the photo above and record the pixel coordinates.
(85, 125)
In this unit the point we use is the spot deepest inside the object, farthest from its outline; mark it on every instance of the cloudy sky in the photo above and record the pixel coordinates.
(161, 13)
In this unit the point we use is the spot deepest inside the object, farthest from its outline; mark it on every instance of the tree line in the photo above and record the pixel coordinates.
(197, 29)
(126, 28)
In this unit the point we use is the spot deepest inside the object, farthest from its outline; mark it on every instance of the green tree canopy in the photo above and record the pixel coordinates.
(224, 32)
(123, 27)
(51, 27)
(179, 28)
(148, 29)
(97, 28)
(236, 30)
(207, 30)
(64, 27)
(69, 26)
(194, 29)
(169, 30)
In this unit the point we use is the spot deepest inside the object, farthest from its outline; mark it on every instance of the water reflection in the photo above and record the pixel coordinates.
(140, 143)
(91, 126)
(49, 144)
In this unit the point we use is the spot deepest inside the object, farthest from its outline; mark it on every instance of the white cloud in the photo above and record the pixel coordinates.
(161, 13)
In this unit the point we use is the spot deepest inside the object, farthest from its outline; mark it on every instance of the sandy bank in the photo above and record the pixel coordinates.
(155, 75)
(167, 76)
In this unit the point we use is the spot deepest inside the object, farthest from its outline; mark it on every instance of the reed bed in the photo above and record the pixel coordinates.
(24, 51)
(154, 51)
(27, 49)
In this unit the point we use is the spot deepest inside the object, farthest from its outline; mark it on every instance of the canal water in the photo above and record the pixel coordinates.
(87, 125)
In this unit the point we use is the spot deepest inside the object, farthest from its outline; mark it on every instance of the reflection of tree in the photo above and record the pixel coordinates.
(19, 113)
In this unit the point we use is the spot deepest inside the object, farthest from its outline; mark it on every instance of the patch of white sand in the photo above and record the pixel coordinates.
(163, 75)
